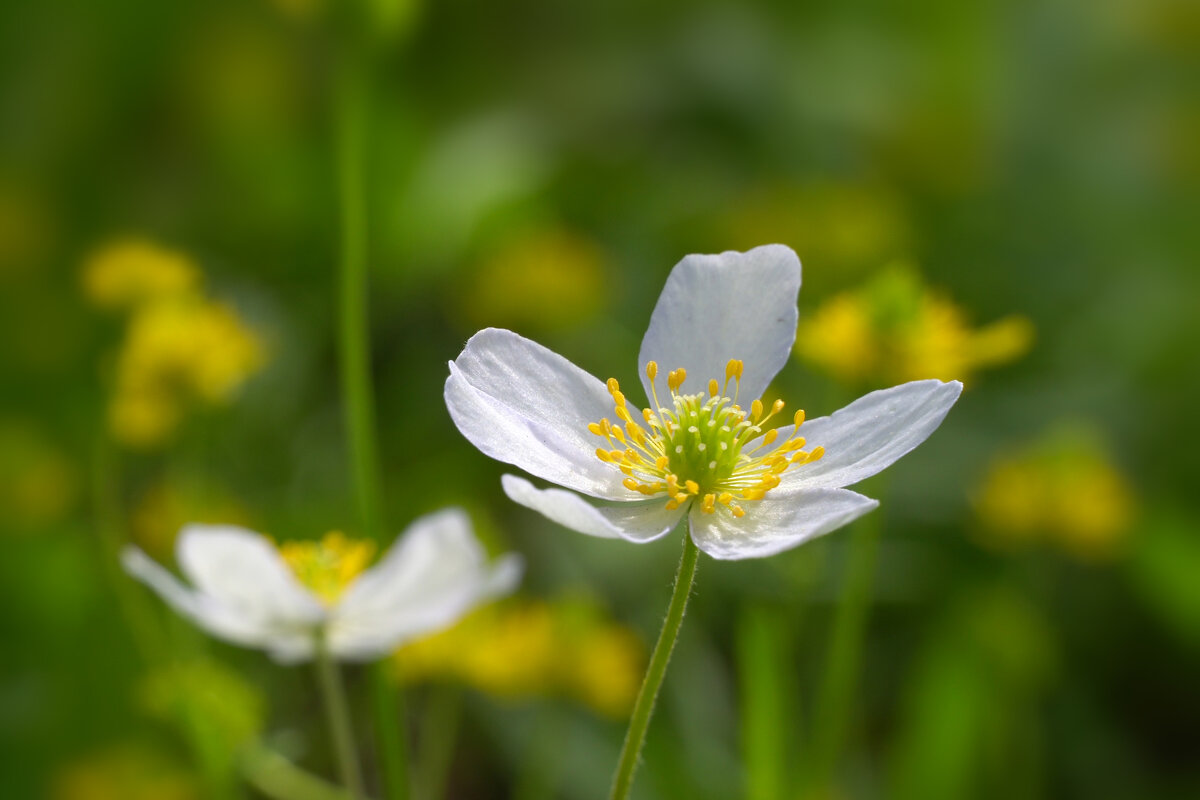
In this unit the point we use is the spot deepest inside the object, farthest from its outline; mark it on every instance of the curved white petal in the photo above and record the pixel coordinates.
(528, 406)
(773, 525)
(732, 305)
(434, 574)
(635, 522)
(214, 616)
(870, 434)
(244, 571)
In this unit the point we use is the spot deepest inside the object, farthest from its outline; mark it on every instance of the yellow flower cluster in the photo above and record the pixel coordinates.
(894, 329)
(1063, 488)
(179, 348)
(532, 648)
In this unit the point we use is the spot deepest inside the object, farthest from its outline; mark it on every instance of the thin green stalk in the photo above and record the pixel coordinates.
(357, 390)
(391, 741)
(643, 707)
(764, 645)
(338, 717)
(106, 506)
(278, 778)
(835, 697)
(439, 731)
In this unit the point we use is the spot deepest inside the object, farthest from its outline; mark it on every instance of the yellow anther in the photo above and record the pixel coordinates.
(733, 369)
(816, 453)
(327, 566)
(698, 447)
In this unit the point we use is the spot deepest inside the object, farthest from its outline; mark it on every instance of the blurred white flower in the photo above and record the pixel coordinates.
(248, 592)
(750, 491)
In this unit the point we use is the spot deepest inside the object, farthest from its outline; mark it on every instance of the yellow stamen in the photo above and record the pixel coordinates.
(329, 566)
(696, 445)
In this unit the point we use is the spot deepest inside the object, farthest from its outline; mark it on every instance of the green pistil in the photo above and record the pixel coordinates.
(698, 454)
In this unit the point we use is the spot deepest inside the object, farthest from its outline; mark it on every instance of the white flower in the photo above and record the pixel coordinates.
(729, 321)
(250, 593)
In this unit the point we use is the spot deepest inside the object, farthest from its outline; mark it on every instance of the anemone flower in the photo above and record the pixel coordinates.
(727, 323)
(292, 599)
(723, 323)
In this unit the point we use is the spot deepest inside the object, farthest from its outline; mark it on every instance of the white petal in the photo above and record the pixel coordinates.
(528, 406)
(244, 571)
(434, 574)
(870, 434)
(212, 615)
(732, 305)
(773, 525)
(636, 522)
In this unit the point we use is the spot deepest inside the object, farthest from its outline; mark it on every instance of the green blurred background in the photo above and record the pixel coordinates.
(1004, 192)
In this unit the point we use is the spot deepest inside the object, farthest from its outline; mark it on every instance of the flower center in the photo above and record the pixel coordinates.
(329, 566)
(698, 446)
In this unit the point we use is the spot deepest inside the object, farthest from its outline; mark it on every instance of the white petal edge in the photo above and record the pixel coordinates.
(212, 615)
(634, 522)
(434, 574)
(525, 405)
(772, 525)
(245, 571)
(869, 435)
(717, 307)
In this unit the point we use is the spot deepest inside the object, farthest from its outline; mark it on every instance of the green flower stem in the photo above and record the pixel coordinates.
(388, 705)
(441, 717)
(764, 645)
(338, 718)
(643, 708)
(354, 332)
(280, 779)
(144, 627)
(358, 393)
(834, 703)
